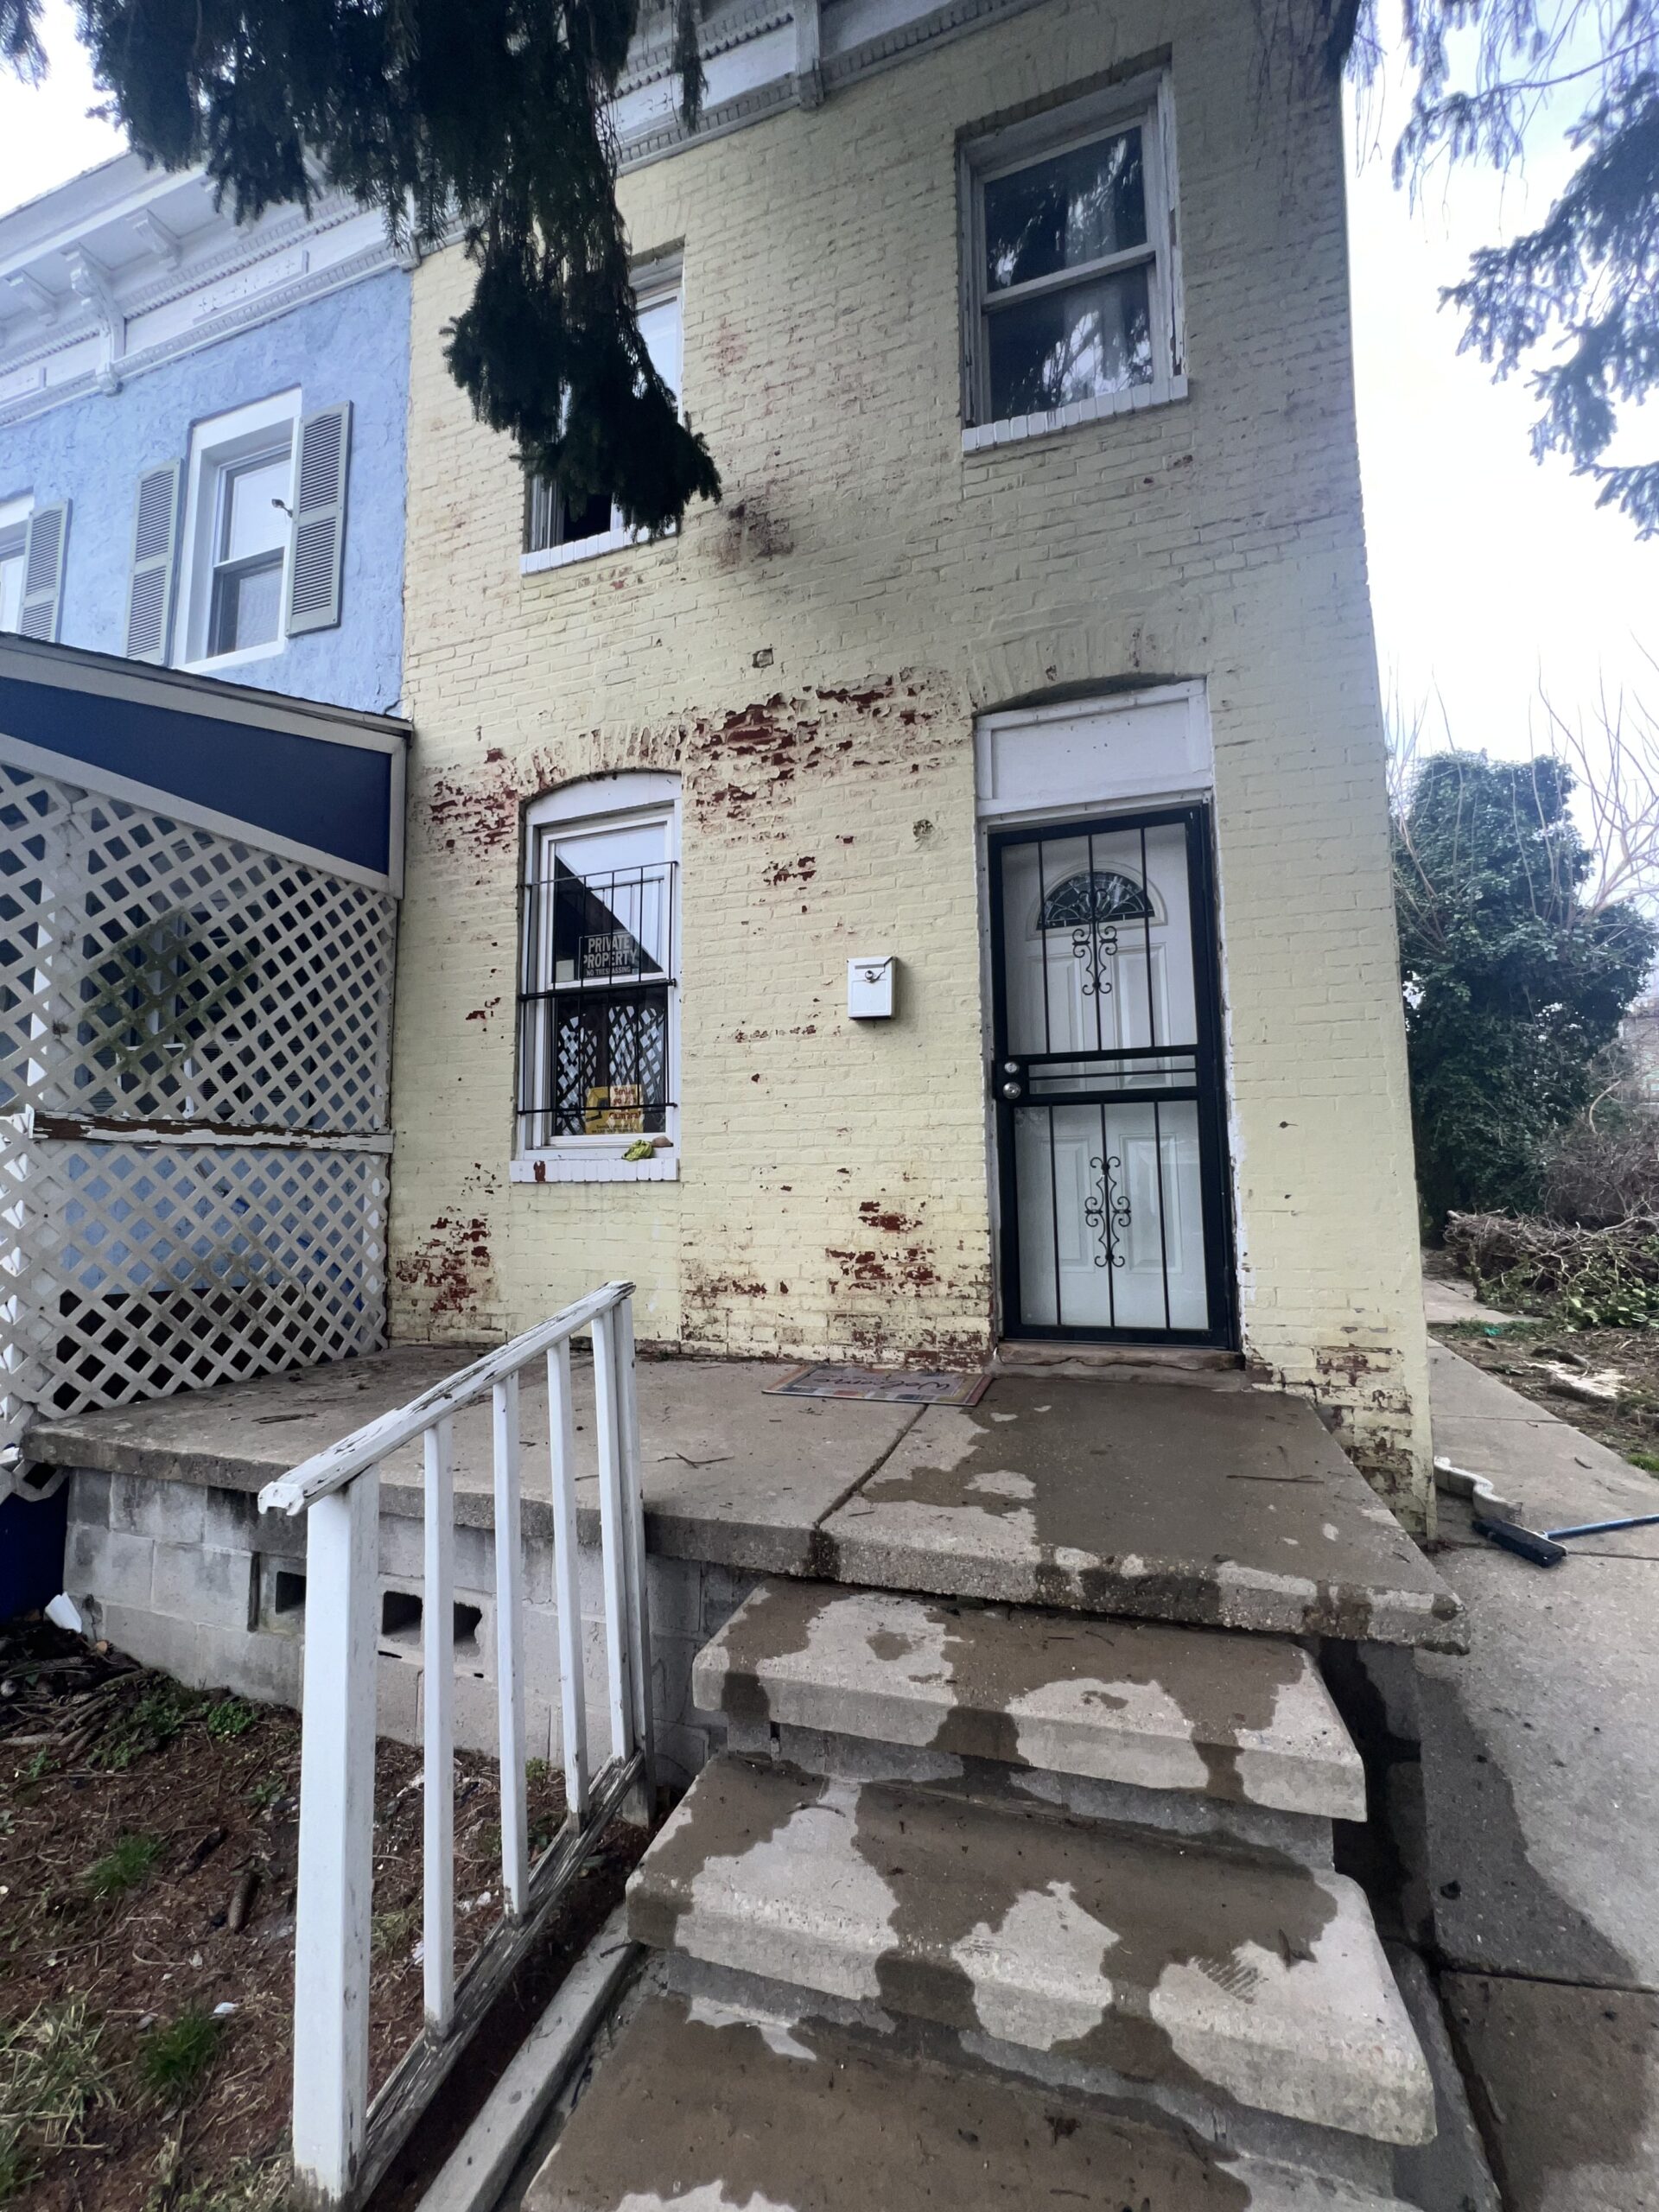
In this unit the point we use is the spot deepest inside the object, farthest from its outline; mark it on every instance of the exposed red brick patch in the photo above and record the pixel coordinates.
(912, 1270)
(453, 1267)
(799, 871)
(895, 1224)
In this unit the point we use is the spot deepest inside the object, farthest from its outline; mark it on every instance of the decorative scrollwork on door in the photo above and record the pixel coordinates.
(1096, 948)
(1106, 1211)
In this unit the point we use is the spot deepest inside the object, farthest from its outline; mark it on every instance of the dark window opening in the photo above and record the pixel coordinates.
(400, 1614)
(553, 517)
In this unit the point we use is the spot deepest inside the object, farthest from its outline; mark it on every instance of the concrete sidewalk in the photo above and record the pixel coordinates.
(1541, 1780)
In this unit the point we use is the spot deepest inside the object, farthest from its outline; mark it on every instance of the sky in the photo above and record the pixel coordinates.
(1493, 578)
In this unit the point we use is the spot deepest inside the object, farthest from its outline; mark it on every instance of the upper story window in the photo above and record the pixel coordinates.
(598, 983)
(260, 542)
(13, 551)
(558, 529)
(1070, 283)
(33, 540)
(250, 549)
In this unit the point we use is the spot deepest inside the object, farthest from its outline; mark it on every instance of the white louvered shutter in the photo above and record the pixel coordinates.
(320, 520)
(149, 587)
(49, 531)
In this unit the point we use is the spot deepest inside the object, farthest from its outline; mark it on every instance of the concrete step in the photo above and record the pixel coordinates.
(703, 2107)
(1247, 1976)
(1242, 1718)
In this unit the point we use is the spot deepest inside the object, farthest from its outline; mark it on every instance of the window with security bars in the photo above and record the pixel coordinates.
(597, 1014)
(1069, 280)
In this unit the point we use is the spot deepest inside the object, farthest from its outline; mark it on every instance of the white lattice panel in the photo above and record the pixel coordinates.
(153, 1269)
(14, 1159)
(153, 971)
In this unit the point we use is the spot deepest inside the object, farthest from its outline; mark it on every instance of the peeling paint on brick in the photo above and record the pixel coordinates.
(1218, 540)
(450, 1271)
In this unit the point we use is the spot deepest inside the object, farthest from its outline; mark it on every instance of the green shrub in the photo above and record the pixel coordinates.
(124, 1868)
(229, 1718)
(52, 2078)
(151, 1724)
(174, 2061)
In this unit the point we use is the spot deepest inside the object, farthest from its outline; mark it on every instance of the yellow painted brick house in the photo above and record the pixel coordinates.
(940, 897)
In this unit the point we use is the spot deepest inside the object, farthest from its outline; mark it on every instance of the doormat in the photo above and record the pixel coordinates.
(888, 1386)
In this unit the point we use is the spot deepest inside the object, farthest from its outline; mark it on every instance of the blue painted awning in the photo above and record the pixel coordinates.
(313, 782)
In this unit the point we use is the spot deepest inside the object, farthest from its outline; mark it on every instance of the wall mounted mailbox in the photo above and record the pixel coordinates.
(870, 987)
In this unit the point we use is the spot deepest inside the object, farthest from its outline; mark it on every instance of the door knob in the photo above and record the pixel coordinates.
(1010, 1090)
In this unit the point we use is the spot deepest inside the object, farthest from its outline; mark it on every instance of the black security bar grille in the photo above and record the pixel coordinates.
(1092, 1129)
(597, 969)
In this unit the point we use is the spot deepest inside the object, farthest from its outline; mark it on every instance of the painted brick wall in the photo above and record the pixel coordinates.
(349, 345)
(811, 655)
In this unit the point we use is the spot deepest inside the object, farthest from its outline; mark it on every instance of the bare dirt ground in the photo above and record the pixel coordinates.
(148, 1842)
(1519, 1353)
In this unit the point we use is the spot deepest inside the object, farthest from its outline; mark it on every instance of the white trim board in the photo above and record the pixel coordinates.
(88, 776)
(106, 676)
(1034, 761)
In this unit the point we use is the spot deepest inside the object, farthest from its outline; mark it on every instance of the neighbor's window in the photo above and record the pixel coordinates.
(1071, 290)
(567, 528)
(13, 551)
(250, 546)
(240, 490)
(598, 1012)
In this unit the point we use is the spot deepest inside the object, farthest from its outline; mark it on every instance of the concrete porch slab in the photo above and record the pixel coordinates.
(1221, 1508)
(1215, 1506)
(703, 2107)
(730, 1476)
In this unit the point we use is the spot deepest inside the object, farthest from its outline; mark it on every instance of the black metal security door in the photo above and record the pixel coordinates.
(1107, 1076)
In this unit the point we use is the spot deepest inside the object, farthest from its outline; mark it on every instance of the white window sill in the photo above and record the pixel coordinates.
(216, 663)
(569, 1165)
(583, 549)
(1018, 428)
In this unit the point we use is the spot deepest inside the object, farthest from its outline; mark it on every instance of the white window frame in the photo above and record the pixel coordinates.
(653, 284)
(217, 446)
(632, 798)
(14, 515)
(1146, 100)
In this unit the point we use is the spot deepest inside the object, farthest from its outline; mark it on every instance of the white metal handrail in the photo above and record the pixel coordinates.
(341, 2144)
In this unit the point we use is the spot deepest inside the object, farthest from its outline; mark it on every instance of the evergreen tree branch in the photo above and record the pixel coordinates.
(490, 115)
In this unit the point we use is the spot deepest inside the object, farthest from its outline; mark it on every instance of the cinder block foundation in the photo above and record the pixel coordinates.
(197, 1582)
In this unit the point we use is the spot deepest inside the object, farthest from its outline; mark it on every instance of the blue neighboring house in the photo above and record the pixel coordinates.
(202, 435)
(202, 469)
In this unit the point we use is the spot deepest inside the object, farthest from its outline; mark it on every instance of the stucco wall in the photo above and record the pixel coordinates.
(811, 655)
(350, 345)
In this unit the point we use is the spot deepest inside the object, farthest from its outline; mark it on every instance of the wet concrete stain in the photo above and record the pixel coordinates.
(1208, 1507)
(960, 1879)
(716, 2113)
(989, 1678)
(1557, 1943)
